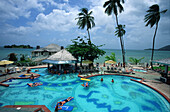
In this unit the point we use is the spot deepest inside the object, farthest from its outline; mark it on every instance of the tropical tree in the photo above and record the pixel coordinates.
(152, 18)
(12, 57)
(111, 57)
(85, 20)
(112, 6)
(84, 50)
(135, 60)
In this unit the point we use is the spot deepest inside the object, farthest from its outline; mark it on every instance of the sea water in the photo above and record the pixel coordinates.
(4, 52)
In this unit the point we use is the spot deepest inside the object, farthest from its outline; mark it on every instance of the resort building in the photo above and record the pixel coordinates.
(43, 53)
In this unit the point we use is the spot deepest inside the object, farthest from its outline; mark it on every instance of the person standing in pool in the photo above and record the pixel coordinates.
(112, 81)
(32, 77)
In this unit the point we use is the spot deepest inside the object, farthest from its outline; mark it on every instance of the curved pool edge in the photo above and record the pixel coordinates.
(153, 89)
(141, 82)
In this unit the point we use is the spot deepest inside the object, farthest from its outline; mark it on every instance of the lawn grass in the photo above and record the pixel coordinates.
(161, 67)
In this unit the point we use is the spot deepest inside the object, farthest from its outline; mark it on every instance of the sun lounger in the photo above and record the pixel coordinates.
(18, 70)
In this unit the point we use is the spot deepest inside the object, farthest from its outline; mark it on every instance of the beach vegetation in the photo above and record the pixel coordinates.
(12, 57)
(18, 46)
(111, 57)
(112, 6)
(161, 67)
(83, 49)
(152, 18)
(135, 60)
(85, 19)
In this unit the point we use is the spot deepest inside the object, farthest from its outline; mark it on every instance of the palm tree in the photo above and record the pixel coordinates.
(153, 18)
(112, 6)
(85, 20)
(135, 60)
(120, 31)
(111, 57)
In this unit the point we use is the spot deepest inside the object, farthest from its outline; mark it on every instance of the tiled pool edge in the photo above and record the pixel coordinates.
(153, 89)
(141, 81)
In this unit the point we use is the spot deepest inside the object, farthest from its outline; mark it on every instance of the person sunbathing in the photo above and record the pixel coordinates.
(61, 103)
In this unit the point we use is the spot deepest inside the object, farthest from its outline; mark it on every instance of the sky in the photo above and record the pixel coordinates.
(43, 22)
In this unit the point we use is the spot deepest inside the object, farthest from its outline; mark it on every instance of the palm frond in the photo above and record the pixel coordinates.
(108, 10)
(106, 3)
(164, 11)
(120, 7)
(84, 10)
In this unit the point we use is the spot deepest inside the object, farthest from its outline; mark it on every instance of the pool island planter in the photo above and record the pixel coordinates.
(40, 107)
(141, 82)
(7, 85)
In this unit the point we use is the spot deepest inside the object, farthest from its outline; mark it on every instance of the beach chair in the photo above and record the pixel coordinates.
(24, 69)
(108, 68)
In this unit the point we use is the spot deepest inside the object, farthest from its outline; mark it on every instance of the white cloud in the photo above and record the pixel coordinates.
(66, 1)
(13, 9)
(57, 20)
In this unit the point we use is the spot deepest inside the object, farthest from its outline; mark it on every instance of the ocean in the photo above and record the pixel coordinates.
(4, 52)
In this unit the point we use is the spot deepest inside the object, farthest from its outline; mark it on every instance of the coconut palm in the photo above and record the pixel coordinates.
(85, 20)
(112, 6)
(111, 57)
(151, 19)
(120, 31)
(135, 60)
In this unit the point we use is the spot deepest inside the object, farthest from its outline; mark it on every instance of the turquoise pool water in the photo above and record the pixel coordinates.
(139, 70)
(123, 95)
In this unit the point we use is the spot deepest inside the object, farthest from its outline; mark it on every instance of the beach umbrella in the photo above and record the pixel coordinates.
(87, 62)
(110, 62)
(5, 62)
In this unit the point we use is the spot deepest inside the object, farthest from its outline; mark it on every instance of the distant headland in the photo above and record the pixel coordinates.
(18, 46)
(165, 48)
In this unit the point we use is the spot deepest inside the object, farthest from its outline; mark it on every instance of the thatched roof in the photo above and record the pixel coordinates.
(163, 61)
(49, 48)
(62, 55)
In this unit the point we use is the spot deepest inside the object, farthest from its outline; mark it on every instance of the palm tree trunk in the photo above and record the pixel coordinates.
(89, 35)
(90, 47)
(153, 45)
(122, 47)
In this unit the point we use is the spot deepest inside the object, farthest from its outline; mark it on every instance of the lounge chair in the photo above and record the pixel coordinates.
(24, 69)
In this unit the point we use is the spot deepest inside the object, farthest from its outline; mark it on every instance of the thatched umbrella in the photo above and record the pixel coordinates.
(61, 57)
(110, 62)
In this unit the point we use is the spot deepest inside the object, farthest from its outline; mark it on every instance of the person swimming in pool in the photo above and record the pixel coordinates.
(34, 84)
(85, 84)
(61, 103)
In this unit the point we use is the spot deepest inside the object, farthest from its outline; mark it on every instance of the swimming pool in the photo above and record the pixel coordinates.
(139, 70)
(123, 95)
